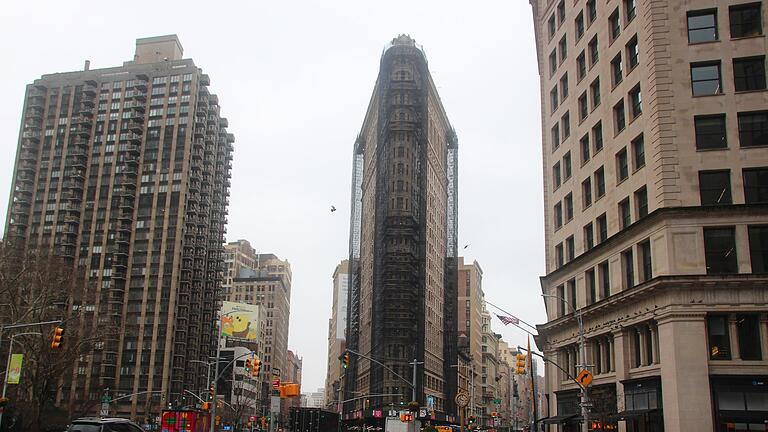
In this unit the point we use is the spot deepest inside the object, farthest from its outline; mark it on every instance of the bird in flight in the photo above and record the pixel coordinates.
(333, 209)
(467, 245)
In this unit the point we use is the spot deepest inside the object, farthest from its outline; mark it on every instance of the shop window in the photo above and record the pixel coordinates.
(719, 340)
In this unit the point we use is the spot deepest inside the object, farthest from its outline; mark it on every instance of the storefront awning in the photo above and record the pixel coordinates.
(557, 419)
(632, 414)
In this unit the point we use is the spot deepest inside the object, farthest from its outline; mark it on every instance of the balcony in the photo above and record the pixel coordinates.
(133, 149)
(35, 114)
(87, 100)
(25, 166)
(32, 135)
(89, 88)
(205, 80)
(199, 132)
(28, 155)
(83, 130)
(36, 102)
(135, 126)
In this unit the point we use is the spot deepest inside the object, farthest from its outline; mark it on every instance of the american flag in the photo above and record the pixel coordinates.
(508, 319)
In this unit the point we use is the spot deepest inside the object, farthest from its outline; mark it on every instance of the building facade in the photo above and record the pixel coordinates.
(489, 366)
(470, 326)
(238, 387)
(402, 293)
(268, 285)
(125, 171)
(239, 257)
(337, 328)
(655, 188)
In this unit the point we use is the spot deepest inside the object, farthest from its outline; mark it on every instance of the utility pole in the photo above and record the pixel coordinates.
(414, 363)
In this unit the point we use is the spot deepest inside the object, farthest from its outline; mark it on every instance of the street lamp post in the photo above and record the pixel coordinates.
(585, 403)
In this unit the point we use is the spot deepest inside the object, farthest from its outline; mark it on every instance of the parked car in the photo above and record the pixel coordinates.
(95, 424)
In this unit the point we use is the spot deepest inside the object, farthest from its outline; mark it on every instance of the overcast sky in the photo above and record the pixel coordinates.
(294, 79)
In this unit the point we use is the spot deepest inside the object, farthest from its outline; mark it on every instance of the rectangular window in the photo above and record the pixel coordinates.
(715, 187)
(628, 263)
(561, 300)
(625, 217)
(589, 277)
(753, 128)
(646, 273)
(568, 202)
(559, 259)
(600, 182)
(631, 8)
(719, 339)
(633, 53)
(591, 10)
(570, 249)
(551, 26)
(702, 26)
(602, 228)
(758, 248)
(561, 13)
(746, 20)
(622, 166)
(589, 237)
(619, 118)
(594, 54)
(565, 122)
(749, 73)
(567, 169)
(748, 331)
(586, 192)
(563, 46)
(556, 175)
(638, 152)
(614, 25)
(595, 91)
(579, 25)
(605, 279)
(597, 136)
(553, 62)
(555, 136)
(641, 202)
(583, 107)
(581, 66)
(553, 99)
(710, 132)
(571, 284)
(756, 186)
(636, 101)
(584, 145)
(558, 215)
(720, 250)
(617, 72)
(564, 86)
(705, 79)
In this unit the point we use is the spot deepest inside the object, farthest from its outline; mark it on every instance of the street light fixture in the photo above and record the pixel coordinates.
(582, 360)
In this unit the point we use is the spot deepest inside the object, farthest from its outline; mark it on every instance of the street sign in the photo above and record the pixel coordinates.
(497, 401)
(104, 412)
(584, 378)
(274, 407)
(276, 384)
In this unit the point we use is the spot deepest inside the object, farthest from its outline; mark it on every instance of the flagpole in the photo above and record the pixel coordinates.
(529, 325)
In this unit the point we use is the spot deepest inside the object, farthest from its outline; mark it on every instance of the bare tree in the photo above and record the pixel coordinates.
(245, 401)
(38, 287)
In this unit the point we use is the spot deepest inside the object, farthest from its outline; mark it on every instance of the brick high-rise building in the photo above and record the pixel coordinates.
(402, 293)
(470, 328)
(654, 130)
(337, 328)
(125, 171)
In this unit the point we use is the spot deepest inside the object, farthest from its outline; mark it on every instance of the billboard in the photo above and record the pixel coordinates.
(14, 369)
(240, 320)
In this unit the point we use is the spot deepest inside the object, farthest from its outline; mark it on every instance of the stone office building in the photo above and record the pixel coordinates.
(655, 135)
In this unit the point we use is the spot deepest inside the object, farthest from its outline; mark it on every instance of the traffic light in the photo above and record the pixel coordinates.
(206, 406)
(406, 417)
(256, 367)
(211, 392)
(494, 414)
(58, 335)
(520, 366)
(345, 359)
(248, 365)
(471, 419)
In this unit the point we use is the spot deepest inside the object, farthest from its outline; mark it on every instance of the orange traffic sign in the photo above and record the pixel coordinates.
(584, 378)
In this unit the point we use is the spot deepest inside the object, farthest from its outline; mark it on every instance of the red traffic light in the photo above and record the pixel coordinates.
(58, 335)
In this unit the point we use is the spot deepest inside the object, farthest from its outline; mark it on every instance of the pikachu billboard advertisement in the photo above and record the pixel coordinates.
(239, 320)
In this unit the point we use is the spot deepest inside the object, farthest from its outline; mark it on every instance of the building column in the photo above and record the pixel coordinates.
(733, 336)
(619, 364)
(685, 372)
(640, 335)
(764, 335)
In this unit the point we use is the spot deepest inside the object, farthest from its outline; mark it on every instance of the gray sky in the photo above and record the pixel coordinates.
(294, 79)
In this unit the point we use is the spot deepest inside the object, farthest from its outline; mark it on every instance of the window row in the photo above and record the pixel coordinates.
(711, 130)
(735, 336)
(745, 21)
(715, 186)
(748, 75)
(721, 254)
